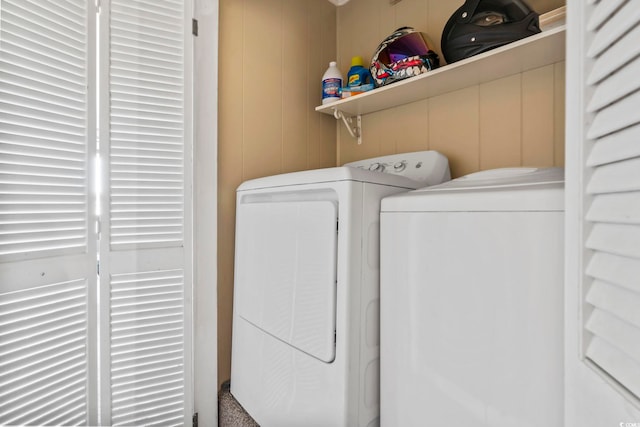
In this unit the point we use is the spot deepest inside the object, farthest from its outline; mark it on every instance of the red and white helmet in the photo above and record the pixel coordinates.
(403, 54)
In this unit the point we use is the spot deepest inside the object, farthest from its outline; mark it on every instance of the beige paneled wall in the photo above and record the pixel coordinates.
(272, 56)
(513, 121)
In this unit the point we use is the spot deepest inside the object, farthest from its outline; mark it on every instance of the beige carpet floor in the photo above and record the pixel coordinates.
(230, 412)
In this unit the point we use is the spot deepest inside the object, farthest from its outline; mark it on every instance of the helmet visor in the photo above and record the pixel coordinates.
(409, 45)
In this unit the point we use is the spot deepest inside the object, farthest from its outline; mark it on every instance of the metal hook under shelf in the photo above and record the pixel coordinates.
(355, 132)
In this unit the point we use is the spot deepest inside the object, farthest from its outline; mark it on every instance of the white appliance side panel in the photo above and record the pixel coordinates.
(471, 319)
(365, 308)
(286, 274)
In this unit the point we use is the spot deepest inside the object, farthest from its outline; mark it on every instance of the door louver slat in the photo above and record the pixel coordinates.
(615, 177)
(616, 87)
(619, 146)
(602, 13)
(615, 239)
(615, 363)
(615, 57)
(621, 271)
(616, 208)
(618, 302)
(616, 117)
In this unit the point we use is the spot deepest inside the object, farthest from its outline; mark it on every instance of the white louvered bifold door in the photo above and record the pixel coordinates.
(145, 266)
(47, 222)
(608, 179)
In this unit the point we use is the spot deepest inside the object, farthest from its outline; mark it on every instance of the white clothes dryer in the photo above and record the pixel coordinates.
(472, 302)
(305, 346)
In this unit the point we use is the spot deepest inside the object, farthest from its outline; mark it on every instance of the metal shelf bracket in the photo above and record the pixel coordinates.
(354, 131)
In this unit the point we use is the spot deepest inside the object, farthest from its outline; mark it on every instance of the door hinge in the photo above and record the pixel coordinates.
(194, 420)
(194, 27)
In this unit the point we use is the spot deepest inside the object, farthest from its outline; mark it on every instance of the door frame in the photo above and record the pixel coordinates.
(205, 199)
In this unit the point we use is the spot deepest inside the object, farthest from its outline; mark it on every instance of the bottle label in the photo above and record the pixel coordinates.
(331, 88)
(354, 80)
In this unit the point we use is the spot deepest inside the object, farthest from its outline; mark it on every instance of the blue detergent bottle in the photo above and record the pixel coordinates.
(358, 75)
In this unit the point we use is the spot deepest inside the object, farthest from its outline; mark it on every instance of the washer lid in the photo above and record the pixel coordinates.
(506, 189)
(342, 173)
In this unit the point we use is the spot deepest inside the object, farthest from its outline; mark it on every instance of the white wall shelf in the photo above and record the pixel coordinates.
(533, 52)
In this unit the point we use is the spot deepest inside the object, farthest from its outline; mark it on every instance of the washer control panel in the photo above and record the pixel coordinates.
(426, 167)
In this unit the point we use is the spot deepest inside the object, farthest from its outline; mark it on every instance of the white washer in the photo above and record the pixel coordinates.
(305, 345)
(471, 297)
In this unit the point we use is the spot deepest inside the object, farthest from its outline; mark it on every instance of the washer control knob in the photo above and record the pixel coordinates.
(377, 167)
(400, 166)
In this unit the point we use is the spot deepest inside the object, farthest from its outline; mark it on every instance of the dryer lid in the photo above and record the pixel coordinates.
(505, 189)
